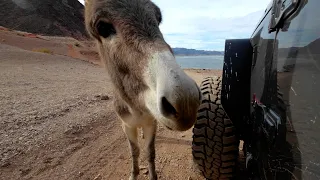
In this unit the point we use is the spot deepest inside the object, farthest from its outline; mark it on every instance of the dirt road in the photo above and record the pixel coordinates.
(57, 122)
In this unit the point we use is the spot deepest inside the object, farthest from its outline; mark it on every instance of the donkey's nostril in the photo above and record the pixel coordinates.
(167, 109)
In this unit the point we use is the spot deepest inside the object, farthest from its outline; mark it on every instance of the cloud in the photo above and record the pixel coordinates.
(209, 33)
(205, 24)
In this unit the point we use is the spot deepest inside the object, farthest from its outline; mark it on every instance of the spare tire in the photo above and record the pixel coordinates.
(214, 145)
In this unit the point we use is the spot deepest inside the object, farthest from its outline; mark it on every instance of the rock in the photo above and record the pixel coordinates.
(175, 164)
(142, 135)
(145, 171)
(5, 164)
(98, 177)
(102, 97)
(142, 167)
(25, 171)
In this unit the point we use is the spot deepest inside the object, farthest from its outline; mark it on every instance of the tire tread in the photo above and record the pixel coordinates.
(214, 146)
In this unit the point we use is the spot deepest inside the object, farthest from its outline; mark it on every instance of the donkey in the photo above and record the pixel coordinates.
(149, 85)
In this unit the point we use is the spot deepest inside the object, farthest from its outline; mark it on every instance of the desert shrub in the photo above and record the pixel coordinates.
(77, 44)
(43, 50)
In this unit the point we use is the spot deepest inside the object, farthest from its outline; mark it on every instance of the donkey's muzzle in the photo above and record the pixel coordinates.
(181, 109)
(178, 96)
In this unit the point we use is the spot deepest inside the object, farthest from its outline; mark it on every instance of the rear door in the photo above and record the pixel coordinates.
(286, 79)
(298, 77)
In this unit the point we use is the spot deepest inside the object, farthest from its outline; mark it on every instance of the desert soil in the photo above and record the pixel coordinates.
(57, 122)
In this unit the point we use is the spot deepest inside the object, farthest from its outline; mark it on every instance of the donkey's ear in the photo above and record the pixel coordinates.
(157, 12)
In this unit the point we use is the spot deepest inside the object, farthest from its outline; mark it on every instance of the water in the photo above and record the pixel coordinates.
(200, 62)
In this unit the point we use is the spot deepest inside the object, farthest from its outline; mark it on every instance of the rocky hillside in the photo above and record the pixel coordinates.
(46, 17)
(194, 52)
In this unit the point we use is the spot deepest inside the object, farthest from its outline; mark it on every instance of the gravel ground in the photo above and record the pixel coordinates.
(57, 122)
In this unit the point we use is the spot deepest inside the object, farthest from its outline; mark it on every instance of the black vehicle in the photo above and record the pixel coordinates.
(268, 98)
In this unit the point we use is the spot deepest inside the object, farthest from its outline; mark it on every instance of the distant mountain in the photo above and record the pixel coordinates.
(292, 52)
(46, 17)
(194, 52)
(291, 55)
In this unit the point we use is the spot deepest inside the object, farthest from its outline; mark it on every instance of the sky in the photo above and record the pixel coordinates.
(205, 24)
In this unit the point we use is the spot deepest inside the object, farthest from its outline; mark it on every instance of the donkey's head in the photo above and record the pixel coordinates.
(141, 64)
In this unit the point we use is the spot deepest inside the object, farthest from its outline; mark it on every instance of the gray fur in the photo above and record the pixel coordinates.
(126, 55)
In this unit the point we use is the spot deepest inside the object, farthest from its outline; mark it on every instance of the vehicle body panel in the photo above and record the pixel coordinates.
(235, 96)
(285, 78)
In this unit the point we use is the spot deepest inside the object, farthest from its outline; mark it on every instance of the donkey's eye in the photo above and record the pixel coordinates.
(105, 29)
